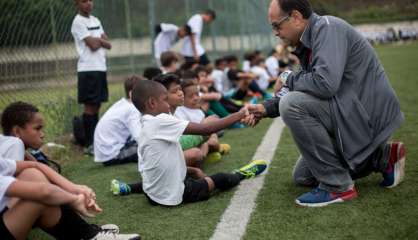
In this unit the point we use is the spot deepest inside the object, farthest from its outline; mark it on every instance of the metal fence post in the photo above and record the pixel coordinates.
(54, 36)
(129, 34)
(151, 18)
(212, 30)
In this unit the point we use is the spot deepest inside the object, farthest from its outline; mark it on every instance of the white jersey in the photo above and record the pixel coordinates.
(190, 114)
(196, 24)
(272, 64)
(160, 158)
(120, 123)
(12, 148)
(82, 28)
(263, 77)
(165, 39)
(7, 172)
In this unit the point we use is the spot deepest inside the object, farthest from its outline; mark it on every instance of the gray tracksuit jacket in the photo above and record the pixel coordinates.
(340, 65)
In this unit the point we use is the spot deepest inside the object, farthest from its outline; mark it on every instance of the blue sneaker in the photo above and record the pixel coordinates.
(119, 188)
(252, 169)
(320, 198)
(395, 171)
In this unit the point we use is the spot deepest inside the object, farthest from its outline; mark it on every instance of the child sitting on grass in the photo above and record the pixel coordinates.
(166, 179)
(115, 134)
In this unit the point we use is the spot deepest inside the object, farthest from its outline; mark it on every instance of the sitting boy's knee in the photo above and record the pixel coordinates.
(194, 157)
(32, 174)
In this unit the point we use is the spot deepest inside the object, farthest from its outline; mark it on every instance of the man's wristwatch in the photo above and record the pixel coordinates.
(283, 77)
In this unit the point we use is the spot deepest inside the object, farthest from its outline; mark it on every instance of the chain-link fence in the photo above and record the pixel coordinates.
(38, 57)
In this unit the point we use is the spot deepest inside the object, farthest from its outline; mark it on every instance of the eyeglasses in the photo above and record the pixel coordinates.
(277, 25)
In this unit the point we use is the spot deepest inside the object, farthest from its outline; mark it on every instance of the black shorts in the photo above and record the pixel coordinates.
(92, 87)
(203, 59)
(4, 231)
(195, 190)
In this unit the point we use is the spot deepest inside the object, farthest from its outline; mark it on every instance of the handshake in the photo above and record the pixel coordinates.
(252, 114)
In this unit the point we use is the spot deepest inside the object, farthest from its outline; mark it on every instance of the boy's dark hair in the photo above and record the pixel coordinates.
(249, 56)
(151, 72)
(233, 75)
(130, 83)
(211, 13)
(157, 29)
(199, 69)
(303, 6)
(189, 75)
(187, 29)
(258, 61)
(167, 58)
(143, 91)
(167, 79)
(231, 58)
(17, 114)
(219, 61)
(187, 65)
(187, 83)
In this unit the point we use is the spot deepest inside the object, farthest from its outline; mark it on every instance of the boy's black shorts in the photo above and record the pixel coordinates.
(195, 190)
(4, 231)
(92, 87)
(203, 59)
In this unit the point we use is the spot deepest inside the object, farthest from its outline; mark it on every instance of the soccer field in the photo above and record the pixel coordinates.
(376, 214)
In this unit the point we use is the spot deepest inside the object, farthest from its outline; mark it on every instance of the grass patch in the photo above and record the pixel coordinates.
(377, 213)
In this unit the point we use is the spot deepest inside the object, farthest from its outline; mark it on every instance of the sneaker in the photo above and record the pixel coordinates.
(395, 171)
(119, 188)
(252, 169)
(213, 157)
(320, 198)
(106, 235)
(224, 148)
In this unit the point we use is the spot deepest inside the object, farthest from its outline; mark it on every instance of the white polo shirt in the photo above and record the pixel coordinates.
(272, 64)
(196, 24)
(165, 39)
(263, 77)
(190, 114)
(120, 123)
(82, 28)
(160, 158)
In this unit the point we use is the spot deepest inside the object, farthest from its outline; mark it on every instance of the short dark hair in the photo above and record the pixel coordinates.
(17, 114)
(233, 75)
(151, 72)
(231, 58)
(143, 91)
(219, 61)
(167, 58)
(189, 74)
(200, 68)
(303, 6)
(187, 83)
(130, 83)
(211, 13)
(167, 79)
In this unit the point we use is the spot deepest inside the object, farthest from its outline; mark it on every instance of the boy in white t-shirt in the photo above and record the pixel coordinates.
(115, 134)
(192, 48)
(12, 148)
(161, 161)
(264, 80)
(91, 42)
(169, 62)
(221, 82)
(167, 35)
(32, 195)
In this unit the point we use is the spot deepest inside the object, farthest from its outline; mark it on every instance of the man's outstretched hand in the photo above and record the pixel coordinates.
(257, 112)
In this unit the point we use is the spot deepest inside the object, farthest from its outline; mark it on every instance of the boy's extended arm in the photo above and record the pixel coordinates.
(215, 126)
(57, 179)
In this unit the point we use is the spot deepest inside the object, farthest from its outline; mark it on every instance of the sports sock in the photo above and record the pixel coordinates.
(136, 187)
(225, 181)
(90, 122)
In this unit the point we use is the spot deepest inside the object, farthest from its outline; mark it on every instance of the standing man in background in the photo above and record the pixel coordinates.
(91, 42)
(192, 48)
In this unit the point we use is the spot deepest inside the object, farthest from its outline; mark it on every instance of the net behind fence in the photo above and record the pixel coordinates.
(38, 56)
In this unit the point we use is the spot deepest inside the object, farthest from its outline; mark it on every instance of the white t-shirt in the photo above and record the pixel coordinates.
(12, 148)
(246, 66)
(190, 114)
(160, 158)
(263, 77)
(7, 171)
(120, 123)
(165, 39)
(272, 66)
(89, 60)
(196, 24)
(218, 77)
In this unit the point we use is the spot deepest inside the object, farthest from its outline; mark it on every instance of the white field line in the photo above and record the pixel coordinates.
(235, 218)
